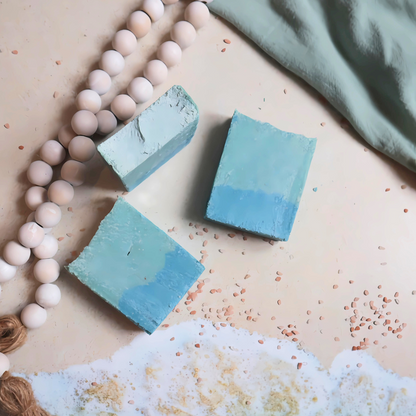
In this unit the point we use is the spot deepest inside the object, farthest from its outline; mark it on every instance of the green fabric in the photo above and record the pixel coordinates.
(359, 54)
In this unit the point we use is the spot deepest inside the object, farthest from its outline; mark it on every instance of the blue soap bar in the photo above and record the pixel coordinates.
(135, 267)
(152, 138)
(260, 179)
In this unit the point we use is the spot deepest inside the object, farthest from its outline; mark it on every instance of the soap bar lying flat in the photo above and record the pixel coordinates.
(136, 267)
(152, 138)
(260, 178)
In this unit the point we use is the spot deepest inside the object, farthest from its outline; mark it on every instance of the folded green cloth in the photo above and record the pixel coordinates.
(359, 54)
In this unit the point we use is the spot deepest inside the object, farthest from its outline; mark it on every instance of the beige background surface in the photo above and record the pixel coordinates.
(337, 231)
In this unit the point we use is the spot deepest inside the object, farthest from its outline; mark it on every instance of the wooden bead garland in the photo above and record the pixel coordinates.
(16, 394)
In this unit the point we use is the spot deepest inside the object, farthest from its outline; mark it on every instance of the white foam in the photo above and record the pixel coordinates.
(235, 369)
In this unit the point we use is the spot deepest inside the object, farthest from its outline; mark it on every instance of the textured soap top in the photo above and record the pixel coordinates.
(149, 131)
(136, 267)
(260, 179)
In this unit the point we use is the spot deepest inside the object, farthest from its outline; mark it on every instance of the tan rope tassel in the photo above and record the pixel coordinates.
(16, 394)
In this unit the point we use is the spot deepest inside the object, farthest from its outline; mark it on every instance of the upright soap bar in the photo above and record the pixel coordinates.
(135, 267)
(152, 138)
(260, 179)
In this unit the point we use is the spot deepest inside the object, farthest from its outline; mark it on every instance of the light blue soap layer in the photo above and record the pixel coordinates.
(152, 138)
(260, 179)
(136, 267)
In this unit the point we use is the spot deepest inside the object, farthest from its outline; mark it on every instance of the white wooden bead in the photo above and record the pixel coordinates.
(30, 235)
(7, 271)
(15, 254)
(52, 152)
(123, 107)
(140, 89)
(170, 53)
(47, 248)
(48, 214)
(124, 42)
(167, 2)
(39, 173)
(33, 316)
(88, 100)
(99, 81)
(183, 33)
(61, 192)
(139, 23)
(81, 148)
(156, 72)
(197, 13)
(154, 8)
(84, 123)
(4, 364)
(35, 196)
(46, 270)
(65, 135)
(48, 295)
(107, 122)
(74, 172)
(112, 62)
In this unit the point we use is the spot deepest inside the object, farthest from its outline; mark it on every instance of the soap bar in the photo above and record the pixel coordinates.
(260, 179)
(152, 138)
(135, 267)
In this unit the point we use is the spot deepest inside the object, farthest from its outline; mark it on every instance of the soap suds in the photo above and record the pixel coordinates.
(231, 372)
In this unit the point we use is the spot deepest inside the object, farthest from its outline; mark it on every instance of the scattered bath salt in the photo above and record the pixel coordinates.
(366, 292)
(205, 243)
(15, 52)
(320, 302)
(365, 149)
(406, 210)
(315, 189)
(70, 209)
(213, 291)
(271, 242)
(56, 94)
(248, 276)
(278, 279)
(216, 236)
(7, 126)
(381, 248)
(321, 318)
(223, 50)
(235, 294)
(211, 272)
(191, 224)
(60, 238)
(205, 229)
(396, 295)
(279, 302)
(383, 264)
(193, 312)
(58, 62)
(21, 147)
(336, 339)
(221, 250)
(172, 339)
(413, 292)
(191, 236)
(403, 186)
(299, 366)
(82, 229)
(359, 365)
(125, 193)
(261, 341)
(387, 190)
(199, 233)
(273, 318)
(227, 41)
(323, 124)
(308, 312)
(351, 282)
(285, 91)
(335, 286)
(69, 234)
(397, 301)
(231, 235)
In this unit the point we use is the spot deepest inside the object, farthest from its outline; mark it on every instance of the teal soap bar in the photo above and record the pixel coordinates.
(260, 179)
(136, 267)
(152, 138)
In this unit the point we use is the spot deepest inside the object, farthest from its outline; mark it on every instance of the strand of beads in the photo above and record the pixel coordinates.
(34, 236)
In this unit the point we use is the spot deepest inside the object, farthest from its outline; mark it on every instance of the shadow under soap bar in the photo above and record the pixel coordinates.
(260, 179)
(152, 138)
(135, 267)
